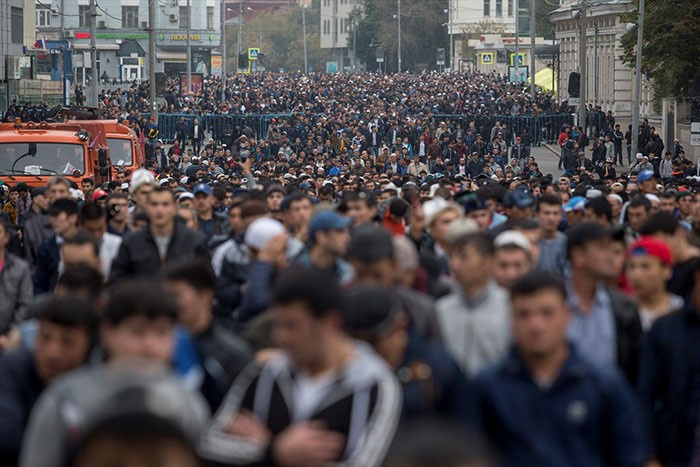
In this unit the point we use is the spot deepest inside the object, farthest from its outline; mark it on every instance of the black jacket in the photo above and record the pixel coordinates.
(668, 375)
(138, 255)
(629, 332)
(20, 388)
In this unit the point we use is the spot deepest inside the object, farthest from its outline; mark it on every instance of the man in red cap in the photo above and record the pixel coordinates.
(648, 269)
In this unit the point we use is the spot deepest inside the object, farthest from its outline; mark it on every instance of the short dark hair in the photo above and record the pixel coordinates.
(81, 277)
(81, 238)
(601, 207)
(638, 201)
(197, 272)
(660, 222)
(163, 189)
(87, 180)
(142, 297)
(91, 212)
(295, 197)
(69, 312)
(320, 291)
(62, 205)
(481, 241)
(535, 282)
(551, 199)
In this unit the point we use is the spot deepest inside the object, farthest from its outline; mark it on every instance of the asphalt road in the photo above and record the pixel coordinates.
(547, 160)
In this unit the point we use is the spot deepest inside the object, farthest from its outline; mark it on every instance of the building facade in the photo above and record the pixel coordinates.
(336, 29)
(122, 36)
(609, 83)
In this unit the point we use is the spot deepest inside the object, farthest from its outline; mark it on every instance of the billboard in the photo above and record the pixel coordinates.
(197, 83)
(201, 61)
(217, 65)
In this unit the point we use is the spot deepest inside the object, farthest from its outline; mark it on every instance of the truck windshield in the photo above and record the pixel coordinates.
(120, 152)
(49, 158)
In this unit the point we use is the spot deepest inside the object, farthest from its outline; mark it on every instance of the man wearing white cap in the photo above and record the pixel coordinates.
(142, 183)
(439, 213)
(512, 257)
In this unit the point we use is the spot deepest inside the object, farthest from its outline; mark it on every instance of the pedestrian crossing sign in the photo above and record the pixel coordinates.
(521, 59)
(253, 54)
(487, 58)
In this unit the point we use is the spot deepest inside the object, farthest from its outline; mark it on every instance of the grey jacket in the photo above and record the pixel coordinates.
(16, 291)
(476, 332)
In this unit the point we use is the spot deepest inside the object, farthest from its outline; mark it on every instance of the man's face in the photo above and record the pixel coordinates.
(300, 213)
(667, 205)
(274, 200)
(121, 178)
(203, 203)
(14, 197)
(191, 302)
(95, 228)
(510, 264)
(41, 201)
(62, 223)
(596, 257)
(549, 217)
(141, 195)
(468, 265)
(360, 212)
(540, 321)
(161, 209)
(59, 349)
(87, 186)
(335, 241)
(646, 275)
(58, 191)
(685, 204)
(295, 330)
(637, 215)
(139, 337)
(482, 217)
(439, 226)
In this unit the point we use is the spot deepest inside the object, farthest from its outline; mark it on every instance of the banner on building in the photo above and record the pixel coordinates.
(217, 65)
(197, 83)
(201, 61)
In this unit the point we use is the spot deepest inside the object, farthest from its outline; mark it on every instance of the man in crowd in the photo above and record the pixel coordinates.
(63, 215)
(512, 257)
(582, 410)
(553, 243)
(16, 287)
(93, 222)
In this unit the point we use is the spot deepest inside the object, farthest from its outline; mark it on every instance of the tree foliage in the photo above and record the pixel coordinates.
(670, 45)
(280, 36)
(422, 32)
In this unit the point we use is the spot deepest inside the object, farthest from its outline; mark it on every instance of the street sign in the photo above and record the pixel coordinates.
(521, 60)
(574, 101)
(253, 54)
(440, 57)
(379, 52)
(487, 58)
(695, 127)
(695, 139)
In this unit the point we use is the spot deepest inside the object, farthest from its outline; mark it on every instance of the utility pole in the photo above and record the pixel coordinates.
(516, 62)
(303, 22)
(638, 79)
(354, 42)
(223, 50)
(449, 32)
(189, 47)
(533, 30)
(93, 56)
(582, 67)
(399, 20)
(152, 59)
(240, 33)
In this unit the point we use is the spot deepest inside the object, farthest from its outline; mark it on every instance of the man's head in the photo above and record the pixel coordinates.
(648, 267)
(58, 188)
(549, 213)
(512, 257)
(646, 180)
(65, 336)
(298, 211)
(439, 214)
(540, 315)
(63, 217)
(667, 202)
(142, 185)
(93, 220)
(273, 197)
(203, 199)
(192, 285)
(362, 207)
(161, 208)
(80, 248)
(599, 210)
(637, 212)
(587, 246)
(307, 314)
(470, 258)
(139, 322)
(330, 232)
(371, 252)
(518, 203)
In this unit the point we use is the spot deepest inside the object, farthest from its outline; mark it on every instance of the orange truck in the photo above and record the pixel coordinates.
(77, 149)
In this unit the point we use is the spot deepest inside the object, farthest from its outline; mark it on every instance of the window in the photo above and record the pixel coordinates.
(43, 17)
(499, 8)
(510, 8)
(210, 17)
(184, 16)
(130, 17)
(487, 7)
(17, 25)
(84, 16)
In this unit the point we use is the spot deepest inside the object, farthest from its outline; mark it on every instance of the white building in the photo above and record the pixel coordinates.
(122, 36)
(609, 82)
(336, 28)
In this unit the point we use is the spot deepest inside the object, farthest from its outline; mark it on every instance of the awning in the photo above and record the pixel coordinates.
(99, 46)
(172, 56)
(546, 79)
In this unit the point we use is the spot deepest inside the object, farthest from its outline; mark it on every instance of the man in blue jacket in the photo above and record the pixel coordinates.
(544, 405)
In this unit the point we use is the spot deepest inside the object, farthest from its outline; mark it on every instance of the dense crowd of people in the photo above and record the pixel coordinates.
(362, 285)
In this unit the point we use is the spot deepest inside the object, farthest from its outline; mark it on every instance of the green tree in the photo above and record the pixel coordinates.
(670, 45)
(422, 32)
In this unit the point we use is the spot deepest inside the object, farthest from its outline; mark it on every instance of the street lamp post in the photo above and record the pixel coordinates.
(398, 16)
(637, 78)
(303, 22)
(223, 50)
(189, 47)
(240, 29)
(583, 85)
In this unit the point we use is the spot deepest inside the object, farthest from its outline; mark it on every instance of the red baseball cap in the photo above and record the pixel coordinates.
(97, 194)
(651, 246)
